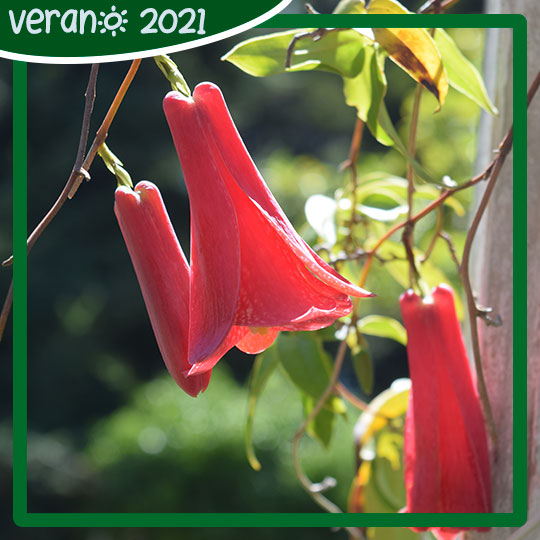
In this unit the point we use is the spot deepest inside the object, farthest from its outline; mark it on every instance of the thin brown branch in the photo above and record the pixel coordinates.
(350, 163)
(79, 170)
(474, 311)
(315, 490)
(6, 308)
(103, 130)
(453, 253)
(437, 6)
(436, 236)
(533, 89)
(408, 231)
(317, 34)
(351, 398)
(471, 302)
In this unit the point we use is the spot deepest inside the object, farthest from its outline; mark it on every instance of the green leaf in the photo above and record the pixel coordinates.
(382, 326)
(363, 368)
(339, 52)
(346, 7)
(321, 215)
(462, 75)
(320, 428)
(395, 188)
(264, 366)
(386, 124)
(366, 91)
(431, 274)
(387, 7)
(308, 366)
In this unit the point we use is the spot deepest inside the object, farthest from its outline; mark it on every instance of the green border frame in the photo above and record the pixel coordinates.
(23, 518)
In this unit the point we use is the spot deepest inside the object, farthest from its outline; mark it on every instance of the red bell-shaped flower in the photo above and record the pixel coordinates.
(163, 275)
(447, 465)
(249, 267)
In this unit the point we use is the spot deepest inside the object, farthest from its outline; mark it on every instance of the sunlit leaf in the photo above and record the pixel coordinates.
(389, 404)
(346, 7)
(380, 214)
(379, 483)
(398, 186)
(366, 91)
(387, 7)
(382, 326)
(462, 74)
(339, 52)
(413, 49)
(263, 367)
(321, 215)
(431, 274)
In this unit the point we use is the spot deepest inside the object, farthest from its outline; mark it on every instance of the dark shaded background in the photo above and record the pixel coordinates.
(100, 401)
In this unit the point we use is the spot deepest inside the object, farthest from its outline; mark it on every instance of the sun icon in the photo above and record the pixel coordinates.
(113, 21)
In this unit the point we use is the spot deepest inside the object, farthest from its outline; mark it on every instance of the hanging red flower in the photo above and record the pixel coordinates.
(163, 275)
(447, 465)
(249, 267)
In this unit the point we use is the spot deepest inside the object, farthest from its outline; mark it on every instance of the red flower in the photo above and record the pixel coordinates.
(249, 267)
(446, 453)
(163, 275)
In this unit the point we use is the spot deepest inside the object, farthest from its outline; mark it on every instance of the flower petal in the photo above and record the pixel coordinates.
(257, 340)
(217, 122)
(163, 275)
(215, 243)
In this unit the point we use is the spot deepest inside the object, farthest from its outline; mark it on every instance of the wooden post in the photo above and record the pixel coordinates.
(493, 270)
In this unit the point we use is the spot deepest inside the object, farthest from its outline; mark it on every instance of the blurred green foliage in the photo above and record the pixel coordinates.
(108, 428)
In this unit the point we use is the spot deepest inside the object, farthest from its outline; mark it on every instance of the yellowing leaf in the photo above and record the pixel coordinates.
(414, 50)
(389, 404)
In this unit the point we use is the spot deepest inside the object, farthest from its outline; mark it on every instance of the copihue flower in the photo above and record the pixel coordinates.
(249, 267)
(447, 465)
(163, 275)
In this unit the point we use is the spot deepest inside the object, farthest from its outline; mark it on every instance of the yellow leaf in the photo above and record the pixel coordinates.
(413, 49)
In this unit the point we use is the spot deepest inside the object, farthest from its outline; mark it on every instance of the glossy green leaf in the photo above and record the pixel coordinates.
(346, 7)
(395, 188)
(320, 428)
(382, 326)
(264, 366)
(339, 52)
(366, 92)
(308, 365)
(462, 75)
(387, 7)
(380, 214)
(321, 215)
